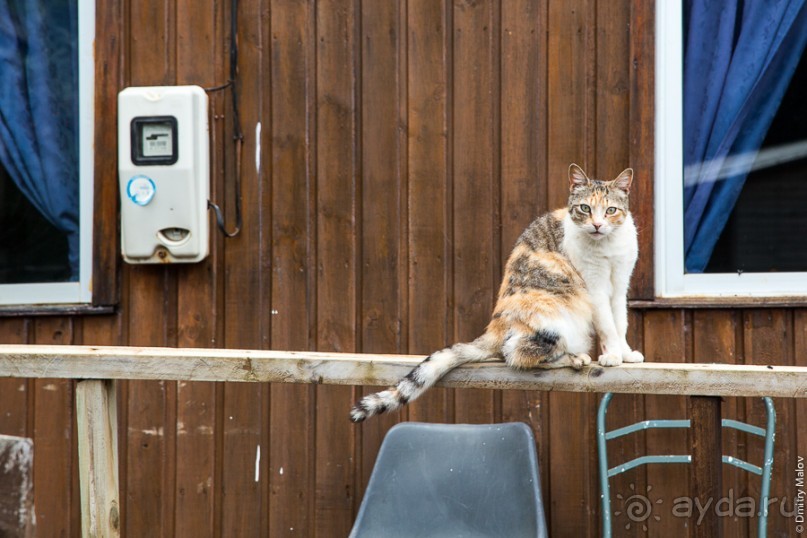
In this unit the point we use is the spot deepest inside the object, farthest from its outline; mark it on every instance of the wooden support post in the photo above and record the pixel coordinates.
(707, 461)
(97, 417)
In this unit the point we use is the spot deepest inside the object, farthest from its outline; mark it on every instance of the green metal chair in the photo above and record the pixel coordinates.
(603, 436)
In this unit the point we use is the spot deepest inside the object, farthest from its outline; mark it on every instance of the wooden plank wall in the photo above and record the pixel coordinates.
(393, 152)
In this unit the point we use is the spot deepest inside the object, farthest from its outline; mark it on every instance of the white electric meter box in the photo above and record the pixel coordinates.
(164, 174)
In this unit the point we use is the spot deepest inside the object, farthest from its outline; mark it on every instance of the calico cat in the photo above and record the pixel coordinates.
(568, 273)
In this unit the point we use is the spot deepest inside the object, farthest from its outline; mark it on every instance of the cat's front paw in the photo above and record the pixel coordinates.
(633, 356)
(609, 359)
(580, 360)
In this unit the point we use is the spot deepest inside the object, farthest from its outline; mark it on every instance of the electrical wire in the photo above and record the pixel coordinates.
(238, 135)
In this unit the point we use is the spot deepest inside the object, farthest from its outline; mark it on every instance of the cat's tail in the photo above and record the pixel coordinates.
(423, 376)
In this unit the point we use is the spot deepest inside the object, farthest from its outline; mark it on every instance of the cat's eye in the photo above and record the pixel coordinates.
(584, 208)
(610, 211)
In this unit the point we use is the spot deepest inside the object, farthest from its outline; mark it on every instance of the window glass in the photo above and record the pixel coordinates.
(764, 231)
(46, 122)
(31, 248)
(744, 136)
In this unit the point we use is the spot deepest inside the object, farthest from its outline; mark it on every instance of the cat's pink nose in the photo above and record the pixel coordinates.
(596, 226)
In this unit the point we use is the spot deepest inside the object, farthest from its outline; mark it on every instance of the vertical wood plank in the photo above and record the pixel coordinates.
(245, 469)
(642, 137)
(571, 136)
(108, 331)
(768, 339)
(571, 96)
(293, 259)
(523, 126)
(382, 191)
(151, 43)
(665, 341)
(54, 440)
(197, 305)
(108, 81)
(612, 85)
(148, 502)
(15, 393)
(428, 192)
(715, 336)
(224, 152)
(97, 431)
(611, 146)
(705, 473)
(338, 252)
(624, 410)
(475, 190)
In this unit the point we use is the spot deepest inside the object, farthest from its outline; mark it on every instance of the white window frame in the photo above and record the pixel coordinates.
(670, 278)
(73, 292)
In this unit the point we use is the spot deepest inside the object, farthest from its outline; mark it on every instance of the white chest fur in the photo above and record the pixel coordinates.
(605, 263)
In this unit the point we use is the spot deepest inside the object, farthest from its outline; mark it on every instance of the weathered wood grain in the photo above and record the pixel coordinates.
(97, 418)
(715, 335)
(93, 362)
(475, 183)
(665, 339)
(198, 291)
(706, 473)
(109, 66)
(338, 237)
(641, 93)
(428, 189)
(57, 506)
(523, 125)
(17, 519)
(292, 251)
(382, 215)
(768, 339)
(239, 420)
(571, 135)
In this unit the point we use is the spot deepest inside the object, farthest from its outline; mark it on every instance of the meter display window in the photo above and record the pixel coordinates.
(154, 140)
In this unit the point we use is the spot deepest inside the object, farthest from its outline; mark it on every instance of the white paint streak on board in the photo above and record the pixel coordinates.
(258, 463)
(258, 148)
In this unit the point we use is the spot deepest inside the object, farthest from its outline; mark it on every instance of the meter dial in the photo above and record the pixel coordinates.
(154, 140)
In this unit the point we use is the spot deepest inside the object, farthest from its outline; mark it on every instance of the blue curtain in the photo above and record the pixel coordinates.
(39, 109)
(739, 58)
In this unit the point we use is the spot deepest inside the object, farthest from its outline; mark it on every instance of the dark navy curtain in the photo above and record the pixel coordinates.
(739, 58)
(39, 108)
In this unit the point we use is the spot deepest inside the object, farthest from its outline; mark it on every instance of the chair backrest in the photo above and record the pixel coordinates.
(603, 436)
(16, 487)
(454, 480)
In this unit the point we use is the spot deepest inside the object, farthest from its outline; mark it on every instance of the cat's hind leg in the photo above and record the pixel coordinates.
(525, 348)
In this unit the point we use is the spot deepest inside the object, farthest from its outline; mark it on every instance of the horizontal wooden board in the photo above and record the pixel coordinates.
(185, 364)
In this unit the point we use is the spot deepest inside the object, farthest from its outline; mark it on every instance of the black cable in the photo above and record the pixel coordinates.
(238, 135)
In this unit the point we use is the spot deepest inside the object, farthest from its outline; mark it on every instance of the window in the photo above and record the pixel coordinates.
(731, 148)
(46, 151)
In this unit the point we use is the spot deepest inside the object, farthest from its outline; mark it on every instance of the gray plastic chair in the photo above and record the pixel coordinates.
(454, 480)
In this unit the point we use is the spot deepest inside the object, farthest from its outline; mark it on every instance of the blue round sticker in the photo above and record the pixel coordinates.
(140, 190)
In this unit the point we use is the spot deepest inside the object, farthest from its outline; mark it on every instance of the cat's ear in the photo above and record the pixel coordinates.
(623, 180)
(577, 178)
